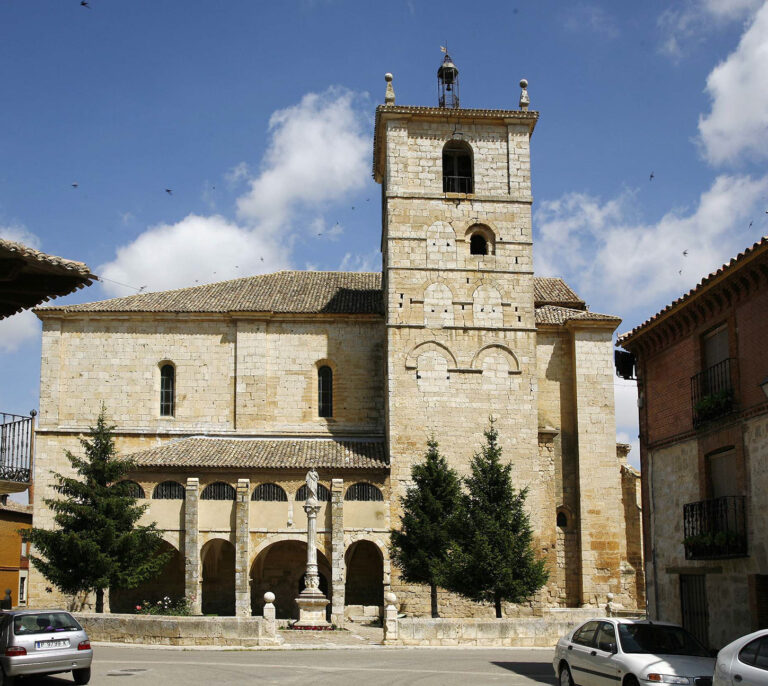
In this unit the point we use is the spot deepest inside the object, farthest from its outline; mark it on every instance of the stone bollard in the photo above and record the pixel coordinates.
(390, 619)
(270, 623)
(609, 605)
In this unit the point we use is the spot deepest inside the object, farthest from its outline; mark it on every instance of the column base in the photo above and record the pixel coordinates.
(312, 604)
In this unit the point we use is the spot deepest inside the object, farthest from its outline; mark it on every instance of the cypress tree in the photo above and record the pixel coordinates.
(419, 547)
(97, 543)
(492, 558)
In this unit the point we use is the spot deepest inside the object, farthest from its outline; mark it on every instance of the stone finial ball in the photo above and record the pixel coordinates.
(390, 597)
(523, 83)
(388, 77)
(609, 596)
(269, 597)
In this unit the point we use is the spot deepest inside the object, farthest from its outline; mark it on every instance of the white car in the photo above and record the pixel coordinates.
(629, 652)
(744, 662)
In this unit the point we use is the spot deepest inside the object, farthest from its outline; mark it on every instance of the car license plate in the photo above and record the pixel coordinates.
(51, 645)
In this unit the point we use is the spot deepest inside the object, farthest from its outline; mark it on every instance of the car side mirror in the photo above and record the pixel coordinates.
(612, 648)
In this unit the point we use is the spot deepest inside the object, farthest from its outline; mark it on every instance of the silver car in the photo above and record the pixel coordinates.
(43, 642)
(629, 652)
(744, 662)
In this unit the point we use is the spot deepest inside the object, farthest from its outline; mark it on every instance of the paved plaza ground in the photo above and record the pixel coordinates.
(366, 665)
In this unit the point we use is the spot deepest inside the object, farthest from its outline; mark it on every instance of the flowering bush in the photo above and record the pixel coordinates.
(165, 606)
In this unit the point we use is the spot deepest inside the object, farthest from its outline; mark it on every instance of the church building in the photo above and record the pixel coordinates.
(225, 394)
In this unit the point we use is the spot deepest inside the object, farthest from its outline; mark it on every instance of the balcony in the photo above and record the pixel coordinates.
(457, 184)
(715, 529)
(712, 392)
(16, 433)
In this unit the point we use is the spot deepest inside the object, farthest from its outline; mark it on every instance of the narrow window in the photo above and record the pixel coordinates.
(269, 493)
(325, 392)
(457, 168)
(562, 519)
(168, 490)
(478, 245)
(323, 494)
(167, 390)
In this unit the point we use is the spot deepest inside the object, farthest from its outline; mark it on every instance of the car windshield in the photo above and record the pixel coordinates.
(43, 623)
(659, 640)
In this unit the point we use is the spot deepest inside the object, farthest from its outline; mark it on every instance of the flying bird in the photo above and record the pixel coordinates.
(750, 224)
(142, 288)
(75, 184)
(680, 271)
(685, 253)
(83, 3)
(169, 191)
(650, 178)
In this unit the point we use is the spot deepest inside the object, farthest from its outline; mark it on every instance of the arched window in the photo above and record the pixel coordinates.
(168, 490)
(457, 167)
(363, 491)
(167, 390)
(323, 494)
(482, 240)
(269, 493)
(562, 519)
(218, 491)
(132, 489)
(325, 392)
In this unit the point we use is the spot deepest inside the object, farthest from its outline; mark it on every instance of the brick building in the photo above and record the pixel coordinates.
(704, 451)
(225, 394)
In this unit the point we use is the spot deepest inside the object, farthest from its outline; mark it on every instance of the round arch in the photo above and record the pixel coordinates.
(218, 588)
(411, 360)
(278, 566)
(514, 365)
(364, 583)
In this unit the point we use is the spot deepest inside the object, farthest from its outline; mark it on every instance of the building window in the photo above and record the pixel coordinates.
(167, 390)
(269, 493)
(363, 491)
(323, 494)
(478, 245)
(133, 489)
(325, 392)
(562, 519)
(168, 490)
(457, 167)
(218, 491)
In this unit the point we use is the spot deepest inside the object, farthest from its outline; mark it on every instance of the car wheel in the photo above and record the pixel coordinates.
(81, 676)
(565, 676)
(6, 680)
(631, 681)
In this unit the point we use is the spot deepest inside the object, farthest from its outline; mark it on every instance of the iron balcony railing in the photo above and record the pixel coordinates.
(457, 184)
(712, 393)
(715, 528)
(15, 447)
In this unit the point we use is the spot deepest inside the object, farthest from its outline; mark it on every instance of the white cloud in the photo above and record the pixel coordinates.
(737, 125)
(369, 262)
(581, 17)
(611, 258)
(318, 154)
(17, 330)
(20, 234)
(690, 21)
(239, 172)
(194, 250)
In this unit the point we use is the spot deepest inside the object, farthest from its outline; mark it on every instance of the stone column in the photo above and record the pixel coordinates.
(337, 552)
(192, 588)
(242, 539)
(270, 623)
(311, 601)
(390, 619)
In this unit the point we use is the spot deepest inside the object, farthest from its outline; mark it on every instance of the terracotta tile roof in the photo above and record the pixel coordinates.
(32, 277)
(554, 291)
(263, 453)
(755, 250)
(552, 314)
(290, 292)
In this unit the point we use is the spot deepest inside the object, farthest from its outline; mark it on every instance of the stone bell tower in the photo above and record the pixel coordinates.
(458, 282)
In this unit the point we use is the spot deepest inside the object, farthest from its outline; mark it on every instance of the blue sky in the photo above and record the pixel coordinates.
(258, 117)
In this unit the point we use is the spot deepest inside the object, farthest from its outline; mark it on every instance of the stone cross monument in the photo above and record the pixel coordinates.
(311, 600)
